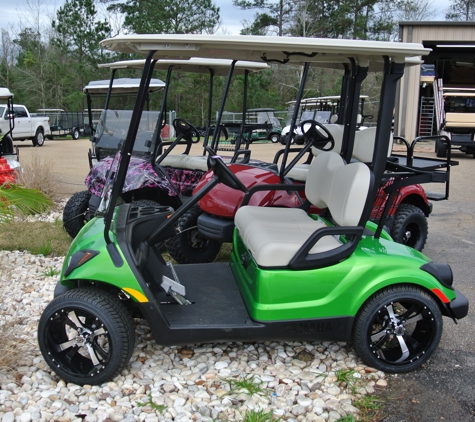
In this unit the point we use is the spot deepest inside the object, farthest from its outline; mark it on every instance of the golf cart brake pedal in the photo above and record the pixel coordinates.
(174, 287)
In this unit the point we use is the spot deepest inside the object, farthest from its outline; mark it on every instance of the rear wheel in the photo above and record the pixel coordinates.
(39, 138)
(76, 212)
(398, 329)
(86, 336)
(410, 226)
(75, 134)
(190, 246)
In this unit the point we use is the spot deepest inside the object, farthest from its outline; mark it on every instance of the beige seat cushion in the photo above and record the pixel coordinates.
(274, 235)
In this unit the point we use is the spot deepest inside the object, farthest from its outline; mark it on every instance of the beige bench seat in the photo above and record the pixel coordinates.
(274, 235)
(459, 120)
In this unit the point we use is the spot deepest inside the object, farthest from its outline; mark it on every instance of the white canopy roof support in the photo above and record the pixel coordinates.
(121, 86)
(220, 67)
(264, 48)
(5, 94)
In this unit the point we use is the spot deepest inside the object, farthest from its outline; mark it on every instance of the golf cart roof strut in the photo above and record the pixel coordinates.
(125, 155)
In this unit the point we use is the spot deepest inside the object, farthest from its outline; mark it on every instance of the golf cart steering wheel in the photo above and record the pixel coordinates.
(318, 135)
(225, 175)
(186, 130)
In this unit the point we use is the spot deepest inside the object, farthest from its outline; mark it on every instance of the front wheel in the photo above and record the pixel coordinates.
(75, 134)
(398, 329)
(39, 138)
(410, 226)
(76, 212)
(274, 138)
(190, 246)
(86, 336)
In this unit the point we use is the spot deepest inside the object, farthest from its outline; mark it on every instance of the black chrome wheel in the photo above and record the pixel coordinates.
(398, 329)
(86, 336)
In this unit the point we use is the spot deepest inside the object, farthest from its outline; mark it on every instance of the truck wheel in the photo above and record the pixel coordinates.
(86, 335)
(397, 329)
(75, 134)
(410, 226)
(274, 138)
(76, 212)
(190, 246)
(440, 148)
(39, 138)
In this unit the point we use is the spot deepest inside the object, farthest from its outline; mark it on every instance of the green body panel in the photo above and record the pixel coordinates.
(100, 268)
(338, 290)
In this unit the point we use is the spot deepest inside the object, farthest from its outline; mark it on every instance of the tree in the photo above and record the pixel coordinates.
(79, 31)
(275, 16)
(461, 10)
(169, 16)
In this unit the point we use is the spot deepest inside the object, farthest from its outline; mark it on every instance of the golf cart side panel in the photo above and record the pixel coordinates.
(335, 290)
(92, 240)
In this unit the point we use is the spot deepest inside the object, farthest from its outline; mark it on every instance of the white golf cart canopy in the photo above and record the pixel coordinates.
(121, 86)
(219, 67)
(5, 94)
(263, 48)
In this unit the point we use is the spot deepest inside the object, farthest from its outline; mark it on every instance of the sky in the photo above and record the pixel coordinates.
(17, 13)
(14, 14)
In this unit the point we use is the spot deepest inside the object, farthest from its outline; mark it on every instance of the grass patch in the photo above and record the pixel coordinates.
(368, 406)
(259, 416)
(36, 237)
(249, 385)
(346, 378)
(160, 408)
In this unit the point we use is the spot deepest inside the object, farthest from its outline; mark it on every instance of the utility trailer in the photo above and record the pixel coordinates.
(64, 123)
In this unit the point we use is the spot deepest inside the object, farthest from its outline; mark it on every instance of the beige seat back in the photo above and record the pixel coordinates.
(364, 145)
(342, 188)
(337, 134)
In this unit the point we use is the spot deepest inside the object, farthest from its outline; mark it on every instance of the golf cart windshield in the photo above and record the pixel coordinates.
(263, 115)
(114, 124)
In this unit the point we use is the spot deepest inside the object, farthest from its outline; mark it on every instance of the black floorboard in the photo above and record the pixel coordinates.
(216, 300)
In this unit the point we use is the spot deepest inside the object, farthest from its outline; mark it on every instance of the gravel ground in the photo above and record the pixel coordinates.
(298, 381)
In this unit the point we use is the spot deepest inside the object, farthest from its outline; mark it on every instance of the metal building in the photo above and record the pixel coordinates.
(450, 64)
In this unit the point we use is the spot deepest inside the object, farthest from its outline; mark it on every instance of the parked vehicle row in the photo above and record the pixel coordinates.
(318, 270)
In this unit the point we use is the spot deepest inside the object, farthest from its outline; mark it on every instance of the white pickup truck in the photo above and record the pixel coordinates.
(25, 126)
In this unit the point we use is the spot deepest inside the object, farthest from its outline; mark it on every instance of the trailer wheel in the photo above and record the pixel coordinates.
(75, 134)
(440, 148)
(39, 138)
(86, 336)
(190, 246)
(398, 329)
(410, 226)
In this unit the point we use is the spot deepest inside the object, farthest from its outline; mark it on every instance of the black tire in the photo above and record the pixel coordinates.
(39, 138)
(410, 226)
(76, 212)
(440, 148)
(393, 319)
(190, 246)
(86, 336)
(274, 138)
(75, 134)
